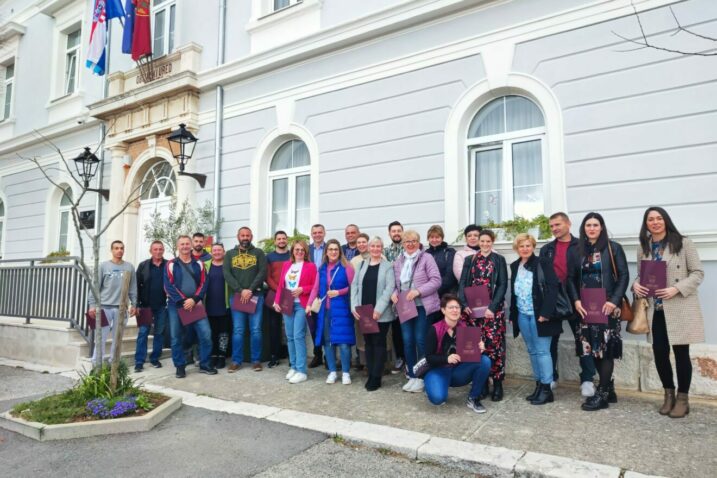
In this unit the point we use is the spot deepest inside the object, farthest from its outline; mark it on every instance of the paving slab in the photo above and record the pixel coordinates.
(630, 435)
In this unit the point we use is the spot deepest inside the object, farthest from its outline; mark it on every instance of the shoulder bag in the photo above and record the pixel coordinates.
(316, 304)
(625, 308)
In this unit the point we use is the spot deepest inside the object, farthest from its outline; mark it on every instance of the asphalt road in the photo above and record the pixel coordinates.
(192, 442)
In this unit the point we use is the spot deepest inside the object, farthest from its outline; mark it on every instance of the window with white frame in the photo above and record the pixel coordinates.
(164, 21)
(280, 4)
(72, 60)
(2, 225)
(63, 242)
(159, 182)
(506, 142)
(290, 187)
(8, 89)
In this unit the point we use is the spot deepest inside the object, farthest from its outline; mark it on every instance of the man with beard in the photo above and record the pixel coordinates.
(351, 233)
(198, 251)
(275, 261)
(392, 251)
(244, 273)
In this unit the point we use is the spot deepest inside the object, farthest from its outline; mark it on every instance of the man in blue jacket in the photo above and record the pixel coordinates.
(185, 285)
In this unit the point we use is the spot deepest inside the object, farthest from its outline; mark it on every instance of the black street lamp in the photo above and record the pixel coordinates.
(182, 144)
(86, 163)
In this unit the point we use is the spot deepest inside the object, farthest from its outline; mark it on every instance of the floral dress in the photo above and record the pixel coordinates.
(598, 340)
(493, 330)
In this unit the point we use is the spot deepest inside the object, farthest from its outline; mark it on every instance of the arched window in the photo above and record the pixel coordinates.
(506, 140)
(290, 187)
(2, 226)
(159, 182)
(65, 220)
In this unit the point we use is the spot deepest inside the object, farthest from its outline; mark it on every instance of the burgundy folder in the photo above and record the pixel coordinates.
(405, 308)
(249, 306)
(478, 299)
(190, 316)
(103, 320)
(593, 300)
(145, 317)
(286, 302)
(653, 275)
(468, 344)
(366, 323)
(269, 298)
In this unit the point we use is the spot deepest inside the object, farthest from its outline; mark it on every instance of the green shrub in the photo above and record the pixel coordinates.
(96, 384)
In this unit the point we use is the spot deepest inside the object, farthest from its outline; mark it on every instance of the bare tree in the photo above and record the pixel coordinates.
(90, 273)
(643, 40)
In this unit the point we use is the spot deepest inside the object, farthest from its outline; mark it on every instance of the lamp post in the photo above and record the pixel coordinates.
(86, 163)
(182, 144)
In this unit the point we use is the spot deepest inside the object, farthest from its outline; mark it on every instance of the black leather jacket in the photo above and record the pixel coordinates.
(443, 255)
(544, 296)
(615, 289)
(498, 281)
(143, 283)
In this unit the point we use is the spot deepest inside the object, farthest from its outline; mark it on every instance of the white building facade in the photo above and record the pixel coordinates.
(336, 111)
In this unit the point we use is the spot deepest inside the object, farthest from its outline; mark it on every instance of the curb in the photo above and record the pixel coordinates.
(41, 432)
(476, 458)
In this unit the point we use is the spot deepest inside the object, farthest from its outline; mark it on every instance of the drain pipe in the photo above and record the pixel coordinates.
(219, 112)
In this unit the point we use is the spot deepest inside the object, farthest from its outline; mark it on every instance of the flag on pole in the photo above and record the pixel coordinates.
(96, 55)
(141, 35)
(128, 27)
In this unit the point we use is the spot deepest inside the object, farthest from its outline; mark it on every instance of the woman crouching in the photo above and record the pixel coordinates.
(446, 368)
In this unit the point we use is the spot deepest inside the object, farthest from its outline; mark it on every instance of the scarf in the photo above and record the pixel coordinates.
(407, 269)
(441, 328)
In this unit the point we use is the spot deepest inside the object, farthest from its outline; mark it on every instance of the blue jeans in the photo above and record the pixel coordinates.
(414, 339)
(295, 328)
(538, 348)
(239, 320)
(160, 321)
(437, 380)
(330, 354)
(200, 327)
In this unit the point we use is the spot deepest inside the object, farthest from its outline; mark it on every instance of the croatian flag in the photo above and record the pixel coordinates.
(104, 10)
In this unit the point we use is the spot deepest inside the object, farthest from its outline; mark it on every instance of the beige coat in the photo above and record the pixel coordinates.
(683, 315)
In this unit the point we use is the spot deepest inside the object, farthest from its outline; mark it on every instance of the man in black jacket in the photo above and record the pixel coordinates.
(151, 297)
(557, 252)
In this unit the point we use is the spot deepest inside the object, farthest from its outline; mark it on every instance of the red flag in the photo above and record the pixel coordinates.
(142, 34)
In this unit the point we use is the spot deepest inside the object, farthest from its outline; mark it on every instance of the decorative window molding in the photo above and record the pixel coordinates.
(59, 227)
(72, 61)
(261, 191)
(289, 184)
(457, 145)
(271, 27)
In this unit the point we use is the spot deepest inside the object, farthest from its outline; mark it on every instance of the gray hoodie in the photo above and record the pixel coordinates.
(111, 284)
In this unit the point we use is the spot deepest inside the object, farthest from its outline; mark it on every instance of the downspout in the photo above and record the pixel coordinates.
(219, 113)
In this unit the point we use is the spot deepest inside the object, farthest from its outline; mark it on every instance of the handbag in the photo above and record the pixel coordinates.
(316, 304)
(625, 308)
(639, 324)
(563, 309)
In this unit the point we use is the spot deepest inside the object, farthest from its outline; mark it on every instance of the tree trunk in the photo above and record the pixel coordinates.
(119, 329)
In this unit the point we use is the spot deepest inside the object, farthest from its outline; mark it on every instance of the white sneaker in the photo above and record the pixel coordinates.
(397, 366)
(298, 377)
(417, 385)
(345, 379)
(587, 389)
(407, 387)
(331, 378)
(291, 373)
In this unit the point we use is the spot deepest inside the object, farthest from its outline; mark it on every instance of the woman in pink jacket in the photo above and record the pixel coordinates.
(297, 279)
(471, 234)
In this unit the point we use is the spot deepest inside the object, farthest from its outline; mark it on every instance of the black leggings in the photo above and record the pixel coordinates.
(221, 332)
(376, 350)
(661, 349)
(605, 367)
(397, 339)
(274, 318)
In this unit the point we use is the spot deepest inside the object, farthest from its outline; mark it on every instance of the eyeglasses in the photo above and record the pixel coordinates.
(412, 241)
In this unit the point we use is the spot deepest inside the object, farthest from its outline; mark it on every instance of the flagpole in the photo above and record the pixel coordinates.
(103, 131)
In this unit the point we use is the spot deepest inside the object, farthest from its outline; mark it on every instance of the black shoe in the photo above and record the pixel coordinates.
(373, 383)
(212, 362)
(157, 364)
(497, 391)
(316, 361)
(611, 395)
(273, 362)
(597, 401)
(138, 368)
(209, 370)
(181, 373)
(545, 395)
(221, 362)
(475, 405)
(535, 393)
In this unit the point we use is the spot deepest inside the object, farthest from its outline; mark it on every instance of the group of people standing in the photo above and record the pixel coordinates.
(418, 297)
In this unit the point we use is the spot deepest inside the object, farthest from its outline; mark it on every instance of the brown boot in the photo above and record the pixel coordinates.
(682, 406)
(669, 401)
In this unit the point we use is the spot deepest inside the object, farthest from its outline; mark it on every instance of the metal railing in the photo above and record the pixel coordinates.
(45, 288)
